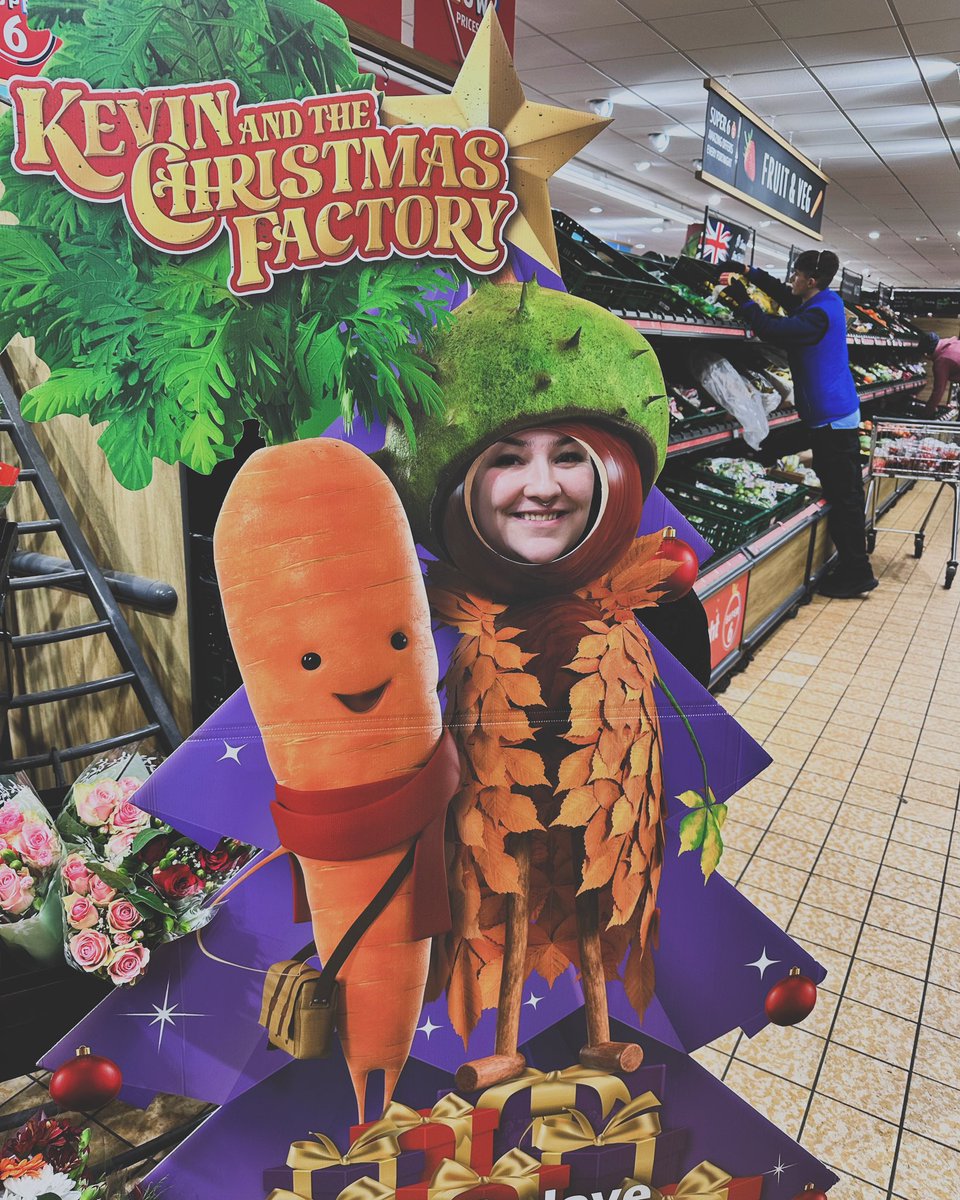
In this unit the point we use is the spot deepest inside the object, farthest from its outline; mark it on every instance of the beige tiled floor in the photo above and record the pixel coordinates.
(850, 841)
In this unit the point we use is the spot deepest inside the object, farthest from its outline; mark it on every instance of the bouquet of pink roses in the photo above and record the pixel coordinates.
(129, 881)
(30, 851)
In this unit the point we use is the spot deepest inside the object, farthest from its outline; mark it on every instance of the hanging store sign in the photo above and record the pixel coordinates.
(445, 29)
(722, 240)
(297, 184)
(851, 285)
(744, 157)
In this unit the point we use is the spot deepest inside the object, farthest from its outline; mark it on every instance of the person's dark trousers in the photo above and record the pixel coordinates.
(836, 460)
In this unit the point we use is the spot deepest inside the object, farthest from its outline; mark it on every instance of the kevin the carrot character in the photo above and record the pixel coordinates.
(329, 620)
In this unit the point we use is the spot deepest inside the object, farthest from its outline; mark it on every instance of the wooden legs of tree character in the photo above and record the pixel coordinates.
(599, 1053)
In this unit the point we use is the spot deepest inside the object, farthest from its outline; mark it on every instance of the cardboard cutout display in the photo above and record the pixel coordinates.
(501, 801)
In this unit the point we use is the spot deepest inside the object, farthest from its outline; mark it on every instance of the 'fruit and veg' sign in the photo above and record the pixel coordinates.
(746, 158)
(297, 184)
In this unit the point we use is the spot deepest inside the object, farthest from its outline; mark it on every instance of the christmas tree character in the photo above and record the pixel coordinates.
(328, 615)
(530, 491)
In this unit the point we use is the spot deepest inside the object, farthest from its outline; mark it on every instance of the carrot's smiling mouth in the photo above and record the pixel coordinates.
(361, 702)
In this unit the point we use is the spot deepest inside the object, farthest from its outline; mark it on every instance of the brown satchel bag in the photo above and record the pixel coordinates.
(299, 1009)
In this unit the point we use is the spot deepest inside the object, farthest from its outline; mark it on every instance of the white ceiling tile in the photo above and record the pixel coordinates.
(735, 28)
(611, 41)
(935, 37)
(778, 107)
(796, 18)
(773, 83)
(654, 9)
(690, 91)
(552, 80)
(558, 16)
(650, 68)
(728, 60)
(849, 47)
(876, 95)
(830, 118)
(539, 51)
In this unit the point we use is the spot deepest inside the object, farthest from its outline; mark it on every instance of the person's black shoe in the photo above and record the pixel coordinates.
(842, 587)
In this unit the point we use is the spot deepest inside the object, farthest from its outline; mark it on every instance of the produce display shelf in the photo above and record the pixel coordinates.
(661, 327)
(728, 430)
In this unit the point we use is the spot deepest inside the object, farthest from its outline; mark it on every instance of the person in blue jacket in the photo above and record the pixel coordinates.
(814, 334)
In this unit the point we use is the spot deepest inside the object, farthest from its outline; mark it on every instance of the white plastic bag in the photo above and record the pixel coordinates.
(718, 376)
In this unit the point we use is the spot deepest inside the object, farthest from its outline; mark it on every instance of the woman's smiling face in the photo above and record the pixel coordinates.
(531, 495)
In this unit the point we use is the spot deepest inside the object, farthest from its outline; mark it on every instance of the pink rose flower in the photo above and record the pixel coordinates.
(100, 892)
(16, 890)
(123, 916)
(128, 963)
(122, 939)
(77, 874)
(81, 913)
(129, 785)
(89, 949)
(11, 818)
(39, 845)
(118, 847)
(96, 801)
(128, 816)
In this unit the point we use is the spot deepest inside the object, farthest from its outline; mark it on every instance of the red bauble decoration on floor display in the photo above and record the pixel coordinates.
(792, 999)
(682, 566)
(86, 1082)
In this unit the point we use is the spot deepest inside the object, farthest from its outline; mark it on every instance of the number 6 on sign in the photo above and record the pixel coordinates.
(23, 51)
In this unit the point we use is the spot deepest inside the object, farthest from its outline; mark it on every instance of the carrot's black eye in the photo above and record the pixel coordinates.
(310, 662)
(399, 641)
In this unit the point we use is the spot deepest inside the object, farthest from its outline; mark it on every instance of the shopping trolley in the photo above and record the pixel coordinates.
(909, 449)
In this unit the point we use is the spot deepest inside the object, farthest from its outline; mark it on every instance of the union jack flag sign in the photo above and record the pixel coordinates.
(23, 51)
(716, 242)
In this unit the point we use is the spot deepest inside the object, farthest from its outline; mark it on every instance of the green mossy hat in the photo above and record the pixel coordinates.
(516, 356)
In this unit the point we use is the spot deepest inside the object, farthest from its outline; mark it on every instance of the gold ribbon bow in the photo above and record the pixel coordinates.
(571, 1130)
(705, 1182)
(553, 1091)
(322, 1153)
(367, 1188)
(516, 1169)
(452, 1111)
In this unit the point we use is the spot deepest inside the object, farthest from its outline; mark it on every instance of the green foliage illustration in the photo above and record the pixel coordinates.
(156, 345)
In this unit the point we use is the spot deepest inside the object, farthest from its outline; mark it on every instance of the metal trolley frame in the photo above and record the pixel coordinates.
(919, 463)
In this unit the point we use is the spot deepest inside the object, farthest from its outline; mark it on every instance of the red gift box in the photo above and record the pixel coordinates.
(452, 1129)
(708, 1181)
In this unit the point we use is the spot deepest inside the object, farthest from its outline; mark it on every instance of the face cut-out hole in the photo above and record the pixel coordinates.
(399, 641)
(535, 495)
(310, 661)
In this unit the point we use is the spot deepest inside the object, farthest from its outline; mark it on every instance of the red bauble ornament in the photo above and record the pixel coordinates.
(86, 1082)
(792, 999)
(682, 567)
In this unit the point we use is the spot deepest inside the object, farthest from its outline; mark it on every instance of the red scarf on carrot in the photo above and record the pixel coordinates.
(358, 822)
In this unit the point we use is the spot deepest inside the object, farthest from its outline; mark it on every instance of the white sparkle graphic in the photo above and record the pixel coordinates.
(762, 963)
(781, 1166)
(533, 1001)
(231, 752)
(428, 1027)
(164, 1015)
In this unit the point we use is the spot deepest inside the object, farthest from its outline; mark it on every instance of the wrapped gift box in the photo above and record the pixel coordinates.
(315, 1170)
(453, 1128)
(669, 1152)
(708, 1182)
(501, 1184)
(625, 1146)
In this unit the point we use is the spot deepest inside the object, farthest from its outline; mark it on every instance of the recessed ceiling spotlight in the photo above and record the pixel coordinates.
(659, 141)
(873, 234)
(595, 208)
(698, 164)
(642, 165)
(920, 238)
(657, 229)
(764, 224)
(603, 107)
(639, 246)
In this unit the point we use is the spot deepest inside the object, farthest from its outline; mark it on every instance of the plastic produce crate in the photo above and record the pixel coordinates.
(723, 520)
(783, 508)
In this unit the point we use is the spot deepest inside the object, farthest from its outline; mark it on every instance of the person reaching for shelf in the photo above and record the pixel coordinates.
(814, 334)
(945, 353)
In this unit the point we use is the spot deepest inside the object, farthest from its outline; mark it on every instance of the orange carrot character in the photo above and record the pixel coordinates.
(328, 617)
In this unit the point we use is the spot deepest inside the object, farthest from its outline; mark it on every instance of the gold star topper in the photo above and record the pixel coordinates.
(540, 137)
